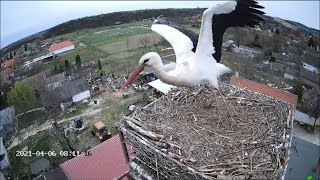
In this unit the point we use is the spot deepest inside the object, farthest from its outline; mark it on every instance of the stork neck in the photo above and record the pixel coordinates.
(164, 76)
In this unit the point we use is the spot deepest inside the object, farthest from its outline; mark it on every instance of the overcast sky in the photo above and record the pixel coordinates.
(23, 18)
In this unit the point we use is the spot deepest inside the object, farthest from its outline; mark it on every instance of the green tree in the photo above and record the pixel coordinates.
(67, 67)
(60, 68)
(99, 65)
(298, 90)
(311, 42)
(78, 61)
(23, 97)
(239, 36)
(100, 68)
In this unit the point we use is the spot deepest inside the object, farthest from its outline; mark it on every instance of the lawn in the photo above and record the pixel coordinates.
(42, 141)
(93, 38)
(40, 53)
(101, 36)
(115, 109)
(108, 36)
(112, 111)
(31, 118)
(128, 60)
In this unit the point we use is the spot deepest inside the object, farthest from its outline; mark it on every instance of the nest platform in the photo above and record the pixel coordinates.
(238, 134)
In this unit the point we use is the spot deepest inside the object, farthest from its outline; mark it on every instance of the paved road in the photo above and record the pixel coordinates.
(302, 160)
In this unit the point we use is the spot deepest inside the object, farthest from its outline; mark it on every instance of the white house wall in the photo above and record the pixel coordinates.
(310, 68)
(4, 163)
(302, 117)
(81, 96)
(288, 76)
(244, 51)
(59, 51)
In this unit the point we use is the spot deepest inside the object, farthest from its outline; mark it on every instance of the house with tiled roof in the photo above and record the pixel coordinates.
(309, 78)
(105, 161)
(59, 89)
(291, 59)
(291, 73)
(37, 81)
(61, 47)
(311, 62)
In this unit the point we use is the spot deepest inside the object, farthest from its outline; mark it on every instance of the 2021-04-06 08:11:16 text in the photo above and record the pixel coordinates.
(51, 153)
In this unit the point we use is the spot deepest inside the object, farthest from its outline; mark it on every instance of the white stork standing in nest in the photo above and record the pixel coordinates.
(198, 57)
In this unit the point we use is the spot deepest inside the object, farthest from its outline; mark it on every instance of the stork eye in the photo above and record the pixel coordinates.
(146, 60)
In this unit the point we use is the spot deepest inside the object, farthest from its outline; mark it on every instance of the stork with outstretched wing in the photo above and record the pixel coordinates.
(198, 57)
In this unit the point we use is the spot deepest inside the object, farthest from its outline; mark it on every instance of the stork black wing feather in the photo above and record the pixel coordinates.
(245, 14)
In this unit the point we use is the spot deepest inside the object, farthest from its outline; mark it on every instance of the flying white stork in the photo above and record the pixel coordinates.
(197, 58)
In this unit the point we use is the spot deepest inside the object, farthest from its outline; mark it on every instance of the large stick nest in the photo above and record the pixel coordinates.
(236, 134)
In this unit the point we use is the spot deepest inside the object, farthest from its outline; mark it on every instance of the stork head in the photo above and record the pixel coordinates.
(150, 59)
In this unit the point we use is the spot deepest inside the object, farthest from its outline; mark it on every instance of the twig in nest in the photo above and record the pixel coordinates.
(197, 133)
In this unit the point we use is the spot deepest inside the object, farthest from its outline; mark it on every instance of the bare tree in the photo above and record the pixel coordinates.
(239, 36)
(311, 102)
(144, 41)
(127, 43)
(276, 43)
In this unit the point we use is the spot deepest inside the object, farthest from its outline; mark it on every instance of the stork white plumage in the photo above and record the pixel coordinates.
(195, 57)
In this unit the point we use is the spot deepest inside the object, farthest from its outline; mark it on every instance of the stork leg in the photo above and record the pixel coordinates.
(197, 92)
(216, 91)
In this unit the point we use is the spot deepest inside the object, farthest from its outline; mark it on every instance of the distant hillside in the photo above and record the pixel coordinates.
(123, 17)
(21, 42)
(129, 16)
(292, 24)
(102, 20)
(304, 28)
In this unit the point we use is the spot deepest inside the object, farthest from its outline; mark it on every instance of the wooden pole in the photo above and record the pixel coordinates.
(124, 147)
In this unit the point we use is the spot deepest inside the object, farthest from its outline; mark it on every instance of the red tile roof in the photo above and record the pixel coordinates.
(9, 63)
(107, 162)
(56, 46)
(265, 90)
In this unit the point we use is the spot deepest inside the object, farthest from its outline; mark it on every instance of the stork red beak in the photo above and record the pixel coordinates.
(133, 76)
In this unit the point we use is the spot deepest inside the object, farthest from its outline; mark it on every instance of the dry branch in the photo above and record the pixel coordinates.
(142, 131)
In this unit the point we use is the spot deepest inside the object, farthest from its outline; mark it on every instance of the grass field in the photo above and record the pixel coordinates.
(113, 35)
(103, 42)
(115, 109)
(108, 43)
